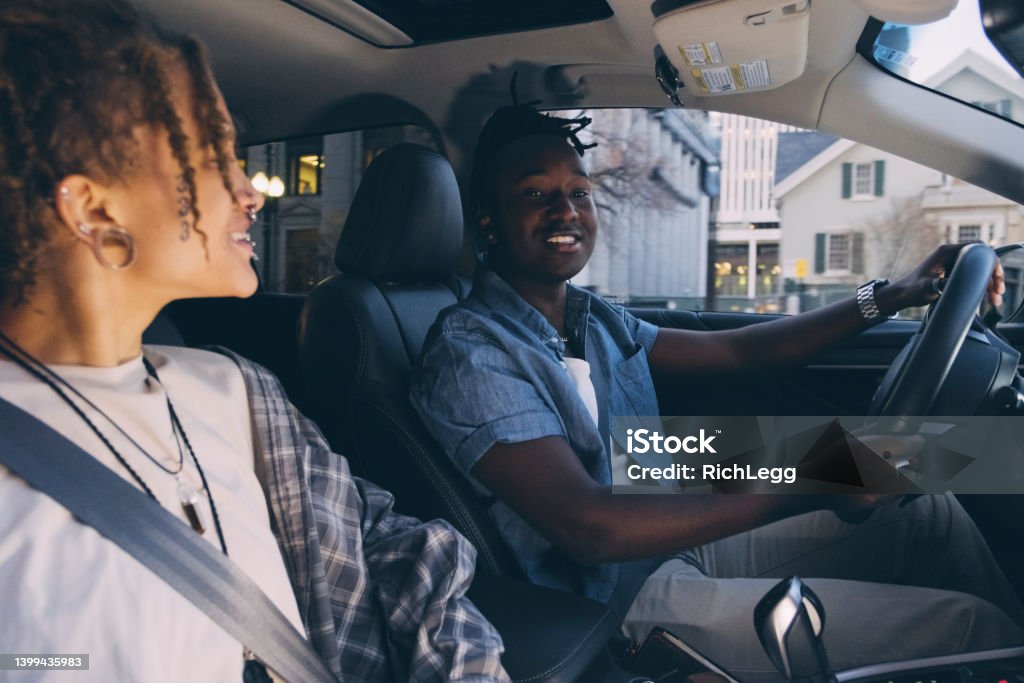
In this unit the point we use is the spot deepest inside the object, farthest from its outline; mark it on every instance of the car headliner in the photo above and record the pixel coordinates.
(287, 73)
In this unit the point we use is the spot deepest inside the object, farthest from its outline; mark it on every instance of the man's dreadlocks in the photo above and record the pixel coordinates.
(509, 124)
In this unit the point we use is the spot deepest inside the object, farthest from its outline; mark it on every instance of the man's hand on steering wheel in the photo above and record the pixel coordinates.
(923, 284)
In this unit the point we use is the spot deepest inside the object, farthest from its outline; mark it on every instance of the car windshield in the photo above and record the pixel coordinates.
(948, 56)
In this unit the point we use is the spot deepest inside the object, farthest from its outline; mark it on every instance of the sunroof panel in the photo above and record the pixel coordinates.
(429, 21)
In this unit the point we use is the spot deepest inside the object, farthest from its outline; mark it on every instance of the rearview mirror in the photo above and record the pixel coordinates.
(1004, 25)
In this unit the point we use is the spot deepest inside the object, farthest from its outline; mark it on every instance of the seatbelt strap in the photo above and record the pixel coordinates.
(97, 496)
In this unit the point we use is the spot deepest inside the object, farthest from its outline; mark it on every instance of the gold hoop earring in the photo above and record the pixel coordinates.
(114, 238)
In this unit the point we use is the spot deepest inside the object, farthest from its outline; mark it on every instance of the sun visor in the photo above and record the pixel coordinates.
(908, 11)
(736, 46)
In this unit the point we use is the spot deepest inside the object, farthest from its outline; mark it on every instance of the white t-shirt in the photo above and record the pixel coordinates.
(579, 372)
(64, 589)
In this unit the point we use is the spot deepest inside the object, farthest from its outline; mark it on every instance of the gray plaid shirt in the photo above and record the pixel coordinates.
(382, 596)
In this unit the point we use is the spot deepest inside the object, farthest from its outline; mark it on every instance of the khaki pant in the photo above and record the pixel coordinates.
(911, 581)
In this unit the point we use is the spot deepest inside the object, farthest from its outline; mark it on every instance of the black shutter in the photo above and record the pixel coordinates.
(879, 178)
(847, 181)
(819, 253)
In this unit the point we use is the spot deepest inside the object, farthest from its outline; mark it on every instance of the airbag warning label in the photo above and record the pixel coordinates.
(701, 54)
(723, 79)
(718, 79)
(755, 74)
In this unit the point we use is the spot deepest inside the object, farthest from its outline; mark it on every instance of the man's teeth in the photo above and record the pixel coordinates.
(562, 239)
(242, 237)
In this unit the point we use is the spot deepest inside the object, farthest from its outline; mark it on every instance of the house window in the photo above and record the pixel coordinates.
(863, 180)
(305, 167)
(968, 232)
(839, 252)
(975, 228)
(308, 174)
(862, 177)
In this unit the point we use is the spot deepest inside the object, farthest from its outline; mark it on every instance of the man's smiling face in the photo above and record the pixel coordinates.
(544, 222)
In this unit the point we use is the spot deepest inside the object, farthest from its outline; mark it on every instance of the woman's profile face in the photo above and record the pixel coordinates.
(544, 222)
(148, 205)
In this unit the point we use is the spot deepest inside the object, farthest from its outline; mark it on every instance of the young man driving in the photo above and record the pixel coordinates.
(518, 384)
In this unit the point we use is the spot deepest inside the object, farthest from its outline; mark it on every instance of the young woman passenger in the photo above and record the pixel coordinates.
(519, 381)
(119, 192)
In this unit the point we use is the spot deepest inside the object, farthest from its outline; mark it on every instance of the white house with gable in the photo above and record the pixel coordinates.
(852, 212)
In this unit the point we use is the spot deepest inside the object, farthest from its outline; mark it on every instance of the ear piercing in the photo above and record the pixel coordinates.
(113, 238)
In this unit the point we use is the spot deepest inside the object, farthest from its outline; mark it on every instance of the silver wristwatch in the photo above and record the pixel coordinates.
(867, 303)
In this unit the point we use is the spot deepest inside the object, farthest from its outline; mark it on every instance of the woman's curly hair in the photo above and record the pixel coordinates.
(76, 76)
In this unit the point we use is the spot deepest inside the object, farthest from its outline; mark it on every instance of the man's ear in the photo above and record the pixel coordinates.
(80, 203)
(480, 217)
(485, 226)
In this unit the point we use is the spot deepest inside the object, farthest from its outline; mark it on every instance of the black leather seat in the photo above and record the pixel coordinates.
(360, 333)
(262, 328)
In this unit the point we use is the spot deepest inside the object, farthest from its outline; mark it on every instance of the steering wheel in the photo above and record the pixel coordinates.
(913, 381)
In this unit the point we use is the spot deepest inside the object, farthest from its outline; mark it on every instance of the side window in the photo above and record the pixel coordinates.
(309, 185)
(723, 212)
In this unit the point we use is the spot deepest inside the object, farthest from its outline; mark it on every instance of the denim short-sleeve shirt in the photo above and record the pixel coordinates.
(492, 371)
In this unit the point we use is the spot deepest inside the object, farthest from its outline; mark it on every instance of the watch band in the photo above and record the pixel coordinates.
(867, 303)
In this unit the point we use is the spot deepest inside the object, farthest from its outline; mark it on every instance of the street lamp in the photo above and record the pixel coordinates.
(260, 182)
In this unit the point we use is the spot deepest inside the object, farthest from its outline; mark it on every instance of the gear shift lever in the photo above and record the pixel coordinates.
(789, 620)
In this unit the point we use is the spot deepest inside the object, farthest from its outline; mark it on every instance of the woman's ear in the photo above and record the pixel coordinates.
(79, 204)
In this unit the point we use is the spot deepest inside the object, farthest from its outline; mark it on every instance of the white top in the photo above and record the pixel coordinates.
(64, 589)
(579, 373)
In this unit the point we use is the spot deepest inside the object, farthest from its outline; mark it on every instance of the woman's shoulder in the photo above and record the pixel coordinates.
(207, 359)
(199, 369)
